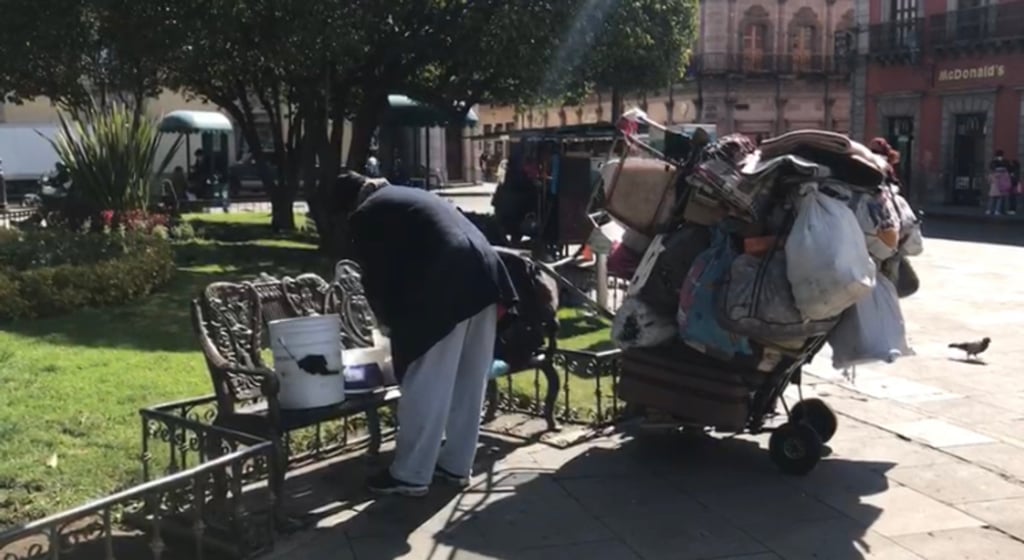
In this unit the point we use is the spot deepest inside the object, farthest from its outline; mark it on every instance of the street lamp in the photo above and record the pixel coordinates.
(3, 187)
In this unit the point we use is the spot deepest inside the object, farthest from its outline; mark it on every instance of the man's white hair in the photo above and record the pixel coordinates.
(369, 187)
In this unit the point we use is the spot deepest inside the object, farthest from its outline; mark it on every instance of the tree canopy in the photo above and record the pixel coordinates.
(311, 67)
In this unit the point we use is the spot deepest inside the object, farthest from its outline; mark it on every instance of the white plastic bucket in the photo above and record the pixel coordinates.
(317, 341)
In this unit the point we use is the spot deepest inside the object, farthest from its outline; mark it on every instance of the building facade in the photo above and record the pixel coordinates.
(765, 67)
(943, 81)
(760, 67)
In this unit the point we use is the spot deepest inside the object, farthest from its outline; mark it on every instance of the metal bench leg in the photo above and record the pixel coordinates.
(491, 411)
(554, 386)
(373, 425)
(285, 522)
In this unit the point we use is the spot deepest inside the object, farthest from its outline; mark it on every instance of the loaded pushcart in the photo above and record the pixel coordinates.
(743, 262)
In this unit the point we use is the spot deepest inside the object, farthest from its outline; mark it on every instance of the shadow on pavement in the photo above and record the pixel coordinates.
(346, 514)
(1000, 233)
(969, 361)
(669, 496)
(657, 496)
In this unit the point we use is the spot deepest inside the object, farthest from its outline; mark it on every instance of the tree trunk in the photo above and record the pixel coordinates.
(616, 104)
(363, 127)
(282, 213)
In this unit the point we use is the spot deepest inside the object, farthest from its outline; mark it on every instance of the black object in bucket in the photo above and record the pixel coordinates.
(315, 364)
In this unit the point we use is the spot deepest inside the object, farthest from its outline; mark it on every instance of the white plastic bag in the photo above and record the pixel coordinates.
(646, 266)
(880, 221)
(827, 259)
(636, 325)
(871, 331)
(911, 240)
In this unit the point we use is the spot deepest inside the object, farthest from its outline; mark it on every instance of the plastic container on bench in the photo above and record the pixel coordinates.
(364, 369)
(368, 369)
(307, 356)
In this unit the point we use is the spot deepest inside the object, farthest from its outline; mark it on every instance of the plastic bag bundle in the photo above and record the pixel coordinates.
(827, 261)
(871, 331)
(911, 240)
(636, 325)
(757, 301)
(880, 221)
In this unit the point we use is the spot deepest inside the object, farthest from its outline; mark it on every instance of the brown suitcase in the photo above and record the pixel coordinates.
(683, 382)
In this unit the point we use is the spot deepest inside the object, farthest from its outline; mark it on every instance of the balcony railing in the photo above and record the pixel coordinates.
(896, 38)
(754, 63)
(997, 25)
(978, 26)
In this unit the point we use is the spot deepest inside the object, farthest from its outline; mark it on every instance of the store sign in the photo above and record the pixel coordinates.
(972, 73)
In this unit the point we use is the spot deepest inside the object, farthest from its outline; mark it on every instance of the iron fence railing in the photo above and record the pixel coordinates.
(588, 377)
(12, 216)
(178, 432)
(183, 505)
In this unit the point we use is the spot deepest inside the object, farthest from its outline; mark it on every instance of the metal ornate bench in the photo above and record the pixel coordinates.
(228, 321)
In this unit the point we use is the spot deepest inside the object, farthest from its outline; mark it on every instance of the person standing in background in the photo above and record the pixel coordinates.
(999, 184)
(373, 165)
(1015, 185)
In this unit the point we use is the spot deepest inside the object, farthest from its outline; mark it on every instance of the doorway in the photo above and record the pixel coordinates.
(900, 134)
(969, 159)
(454, 154)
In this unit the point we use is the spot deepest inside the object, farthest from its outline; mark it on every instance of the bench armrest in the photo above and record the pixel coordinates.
(268, 381)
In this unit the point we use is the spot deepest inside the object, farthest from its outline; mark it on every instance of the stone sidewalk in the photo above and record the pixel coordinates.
(928, 464)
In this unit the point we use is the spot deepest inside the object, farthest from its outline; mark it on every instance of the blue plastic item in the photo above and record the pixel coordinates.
(697, 315)
(498, 368)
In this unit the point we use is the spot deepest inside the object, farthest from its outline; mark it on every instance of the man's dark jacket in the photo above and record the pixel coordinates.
(426, 268)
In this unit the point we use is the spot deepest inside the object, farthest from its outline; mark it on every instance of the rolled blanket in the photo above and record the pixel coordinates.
(817, 139)
(850, 161)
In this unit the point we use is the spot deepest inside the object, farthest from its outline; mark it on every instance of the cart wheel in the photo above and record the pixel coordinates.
(795, 448)
(817, 414)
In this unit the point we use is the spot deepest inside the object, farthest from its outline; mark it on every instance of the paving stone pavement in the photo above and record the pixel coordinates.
(928, 464)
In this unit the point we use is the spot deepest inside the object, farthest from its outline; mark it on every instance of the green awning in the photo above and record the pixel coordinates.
(405, 111)
(191, 122)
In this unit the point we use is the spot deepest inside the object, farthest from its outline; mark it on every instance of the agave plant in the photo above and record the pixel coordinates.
(110, 153)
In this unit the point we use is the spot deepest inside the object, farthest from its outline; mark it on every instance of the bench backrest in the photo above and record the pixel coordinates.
(226, 320)
(229, 320)
(287, 298)
(347, 298)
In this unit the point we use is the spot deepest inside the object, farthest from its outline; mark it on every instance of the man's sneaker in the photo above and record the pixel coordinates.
(450, 478)
(384, 484)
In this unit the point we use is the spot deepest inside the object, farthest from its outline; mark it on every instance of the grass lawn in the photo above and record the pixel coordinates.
(71, 386)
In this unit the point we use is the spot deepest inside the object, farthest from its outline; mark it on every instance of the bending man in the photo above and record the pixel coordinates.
(436, 284)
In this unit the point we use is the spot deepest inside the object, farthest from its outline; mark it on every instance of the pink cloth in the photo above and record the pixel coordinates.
(1000, 183)
(623, 261)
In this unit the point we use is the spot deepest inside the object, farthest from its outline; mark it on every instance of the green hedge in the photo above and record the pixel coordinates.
(45, 273)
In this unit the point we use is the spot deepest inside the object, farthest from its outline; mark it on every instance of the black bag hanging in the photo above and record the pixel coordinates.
(536, 315)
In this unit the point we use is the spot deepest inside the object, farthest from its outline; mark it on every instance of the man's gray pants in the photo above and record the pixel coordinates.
(442, 399)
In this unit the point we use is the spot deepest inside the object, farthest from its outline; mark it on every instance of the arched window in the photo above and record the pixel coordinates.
(803, 47)
(805, 44)
(755, 47)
